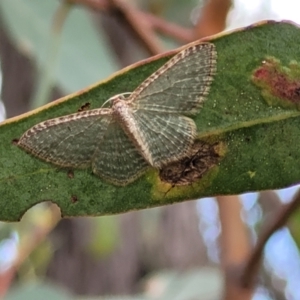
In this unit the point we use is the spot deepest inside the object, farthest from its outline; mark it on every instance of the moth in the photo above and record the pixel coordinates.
(152, 127)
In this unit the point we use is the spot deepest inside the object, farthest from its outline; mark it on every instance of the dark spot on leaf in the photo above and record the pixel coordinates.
(193, 167)
(70, 174)
(85, 106)
(280, 85)
(15, 141)
(297, 91)
(74, 199)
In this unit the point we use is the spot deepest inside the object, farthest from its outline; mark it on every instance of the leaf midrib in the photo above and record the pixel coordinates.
(250, 123)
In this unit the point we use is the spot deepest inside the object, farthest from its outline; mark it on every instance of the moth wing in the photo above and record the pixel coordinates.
(168, 137)
(179, 86)
(68, 141)
(117, 159)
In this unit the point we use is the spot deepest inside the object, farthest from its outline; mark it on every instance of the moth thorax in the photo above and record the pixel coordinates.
(120, 109)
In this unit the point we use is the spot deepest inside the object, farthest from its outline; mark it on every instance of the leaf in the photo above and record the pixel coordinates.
(82, 46)
(250, 144)
(38, 290)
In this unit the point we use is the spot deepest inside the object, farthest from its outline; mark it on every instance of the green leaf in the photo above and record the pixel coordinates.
(82, 46)
(250, 144)
(38, 290)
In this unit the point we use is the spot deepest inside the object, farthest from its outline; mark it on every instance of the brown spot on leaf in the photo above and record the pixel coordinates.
(74, 199)
(192, 167)
(280, 85)
(85, 106)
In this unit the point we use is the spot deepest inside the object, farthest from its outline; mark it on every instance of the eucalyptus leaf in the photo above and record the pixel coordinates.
(84, 57)
(254, 138)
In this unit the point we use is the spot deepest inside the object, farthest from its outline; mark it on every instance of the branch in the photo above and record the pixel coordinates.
(235, 247)
(29, 242)
(139, 26)
(272, 224)
(212, 19)
(142, 23)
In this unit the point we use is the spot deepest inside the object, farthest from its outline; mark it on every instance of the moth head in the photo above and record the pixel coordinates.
(115, 99)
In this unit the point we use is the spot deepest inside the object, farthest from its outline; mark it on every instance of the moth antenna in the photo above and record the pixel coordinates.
(125, 93)
(108, 100)
(114, 97)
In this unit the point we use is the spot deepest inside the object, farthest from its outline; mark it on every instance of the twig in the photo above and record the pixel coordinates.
(100, 5)
(152, 22)
(235, 247)
(212, 19)
(277, 221)
(29, 243)
(139, 26)
(179, 33)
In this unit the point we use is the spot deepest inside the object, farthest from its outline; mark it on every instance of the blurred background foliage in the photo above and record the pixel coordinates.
(49, 49)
